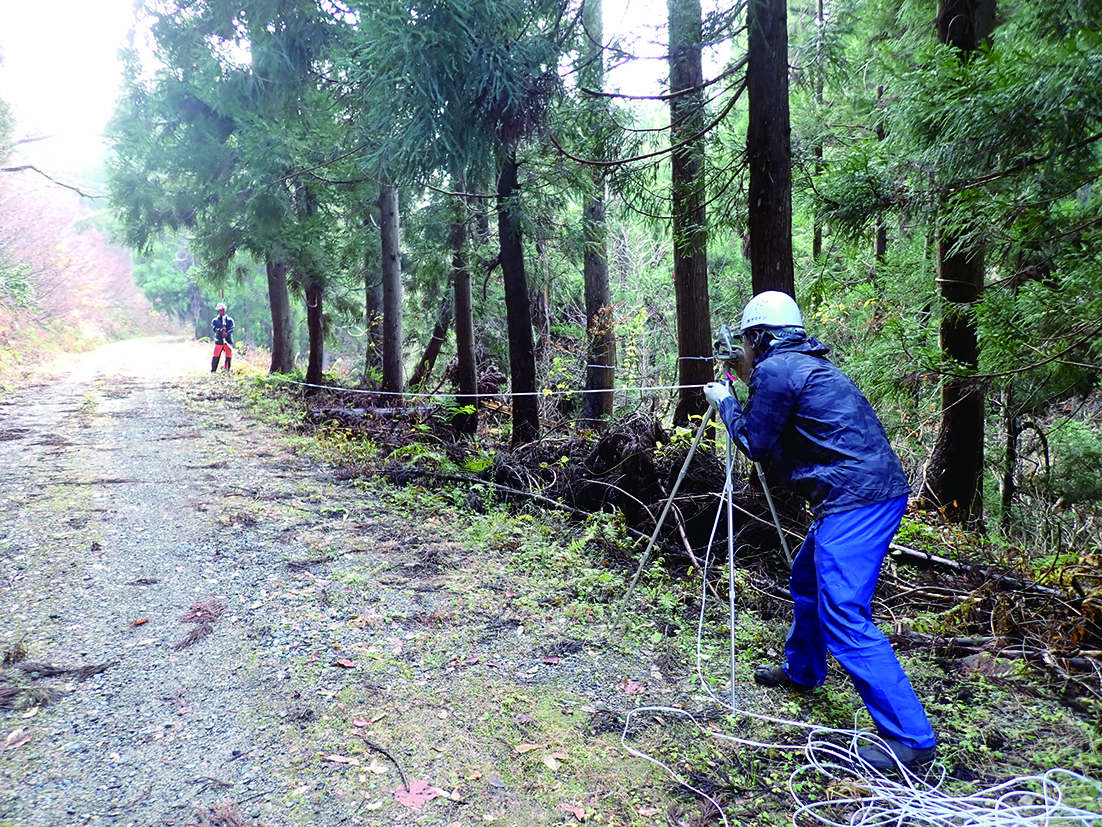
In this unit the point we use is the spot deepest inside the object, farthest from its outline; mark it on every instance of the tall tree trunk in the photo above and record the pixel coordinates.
(522, 357)
(464, 324)
(283, 340)
(392, 290)
(423, 369)
(315, 324)
(880, 245)
(314, 289)
(817, 231)
(953, 478)
(687, 191)
(600, 372)
(769, 148)
(373, 316)
(1013, 430)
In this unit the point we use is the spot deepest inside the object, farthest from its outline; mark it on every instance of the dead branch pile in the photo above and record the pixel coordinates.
(631, 470)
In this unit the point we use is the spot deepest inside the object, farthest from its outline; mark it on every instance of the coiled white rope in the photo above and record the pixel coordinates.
(860, 794)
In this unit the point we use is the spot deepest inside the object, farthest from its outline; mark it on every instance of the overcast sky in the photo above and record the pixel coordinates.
(60, 73)
(60, 69)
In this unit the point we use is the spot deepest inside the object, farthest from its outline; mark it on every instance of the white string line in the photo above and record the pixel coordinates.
(879, 799)
(428, 395)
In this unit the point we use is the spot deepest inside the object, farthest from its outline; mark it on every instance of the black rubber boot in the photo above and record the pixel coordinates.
(876, 757)
(776, 676)
(214, 365)
(228, 360)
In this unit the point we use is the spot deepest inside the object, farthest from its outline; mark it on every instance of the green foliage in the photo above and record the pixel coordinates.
(177, 286)
(1077, 455)
(214, 145)
(477, 464)
(16, 287)
(7, 126)
(449, 82)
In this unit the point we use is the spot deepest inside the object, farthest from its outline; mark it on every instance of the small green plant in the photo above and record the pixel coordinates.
(478, 463)
(418, 454)
(449, 410)
(373, 376)
(1077, 449)
(917, 534)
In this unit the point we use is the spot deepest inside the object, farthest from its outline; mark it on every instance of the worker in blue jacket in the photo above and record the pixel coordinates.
(827, 444)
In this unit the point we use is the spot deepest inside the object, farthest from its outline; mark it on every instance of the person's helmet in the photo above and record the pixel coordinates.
(771, 309)
(220, 306)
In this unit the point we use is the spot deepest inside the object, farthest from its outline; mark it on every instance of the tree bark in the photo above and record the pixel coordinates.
(600, 372)
(314, 289)
(283, 341)
(953, 477)
(1010, 460)
(965, 24)
(522, 357)
(315, 323)
(687, 191)
(373, 318)
(880, 244)
(392, 291)
(464, 423)
(769, 148)
(423, 369)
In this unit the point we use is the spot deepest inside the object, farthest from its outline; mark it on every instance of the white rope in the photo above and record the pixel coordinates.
(434, 395)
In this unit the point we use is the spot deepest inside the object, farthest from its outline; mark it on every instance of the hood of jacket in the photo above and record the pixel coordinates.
(793, 340)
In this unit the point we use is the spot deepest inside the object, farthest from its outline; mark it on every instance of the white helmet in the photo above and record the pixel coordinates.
(771, 309)
(220, 306)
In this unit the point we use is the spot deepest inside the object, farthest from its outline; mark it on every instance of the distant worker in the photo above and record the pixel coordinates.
(827, 444)
(222, 325)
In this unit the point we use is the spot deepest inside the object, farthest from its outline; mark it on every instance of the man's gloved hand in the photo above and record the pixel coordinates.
(716, 392)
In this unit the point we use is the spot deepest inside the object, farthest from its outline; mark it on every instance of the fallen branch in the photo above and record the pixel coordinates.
(206, 611)
(1080, 660)
(201, 631)
(383, 751)
(925, 560)
(680, 522)
(35, 669)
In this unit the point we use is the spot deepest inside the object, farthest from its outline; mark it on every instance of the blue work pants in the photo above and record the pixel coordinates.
(833, 579)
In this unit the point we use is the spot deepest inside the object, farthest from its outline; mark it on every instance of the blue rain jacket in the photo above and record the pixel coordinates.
(222, 326)
(821, 432)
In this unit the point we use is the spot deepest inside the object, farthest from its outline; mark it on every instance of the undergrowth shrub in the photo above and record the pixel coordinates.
(1077, 457)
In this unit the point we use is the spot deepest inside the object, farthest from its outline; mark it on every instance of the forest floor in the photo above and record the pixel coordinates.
(206, 623)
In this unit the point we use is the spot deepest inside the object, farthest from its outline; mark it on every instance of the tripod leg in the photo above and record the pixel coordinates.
(662, 519)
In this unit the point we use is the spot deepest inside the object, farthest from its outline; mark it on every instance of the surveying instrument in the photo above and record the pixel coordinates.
(730, 357)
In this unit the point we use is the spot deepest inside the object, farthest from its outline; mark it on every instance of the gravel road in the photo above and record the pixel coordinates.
(109, 482)
(138, 499)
